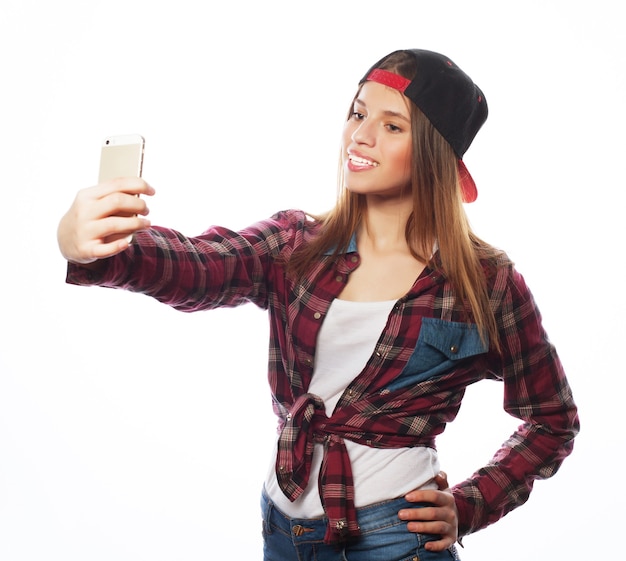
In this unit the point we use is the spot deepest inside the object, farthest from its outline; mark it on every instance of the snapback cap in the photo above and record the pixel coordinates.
(448, 97)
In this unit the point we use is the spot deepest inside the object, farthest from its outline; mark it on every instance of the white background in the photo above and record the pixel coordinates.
(129, 431)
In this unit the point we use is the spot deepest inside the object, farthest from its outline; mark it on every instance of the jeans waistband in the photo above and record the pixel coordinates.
(370, 518)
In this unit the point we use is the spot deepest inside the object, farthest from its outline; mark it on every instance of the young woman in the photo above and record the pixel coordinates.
(382, 312)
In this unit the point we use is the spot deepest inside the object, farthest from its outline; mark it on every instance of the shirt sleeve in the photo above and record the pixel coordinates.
(537, 392)
(218, 268)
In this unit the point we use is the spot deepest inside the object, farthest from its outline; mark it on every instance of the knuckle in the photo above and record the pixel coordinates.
(119, 182)
(117, 199)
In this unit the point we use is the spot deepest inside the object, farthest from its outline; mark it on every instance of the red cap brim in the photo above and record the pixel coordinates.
(468, 187)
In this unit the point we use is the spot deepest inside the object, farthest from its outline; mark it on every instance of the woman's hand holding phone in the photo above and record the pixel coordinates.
(102, 219)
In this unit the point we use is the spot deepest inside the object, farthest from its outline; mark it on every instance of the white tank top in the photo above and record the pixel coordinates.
(346, 341)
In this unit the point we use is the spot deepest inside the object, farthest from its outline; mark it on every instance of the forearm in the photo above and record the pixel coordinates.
(188, 274)
(533, 452)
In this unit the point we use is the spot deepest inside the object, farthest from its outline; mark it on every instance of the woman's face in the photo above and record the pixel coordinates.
(377, 143)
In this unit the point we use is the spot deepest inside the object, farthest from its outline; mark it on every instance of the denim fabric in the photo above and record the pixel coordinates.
(440, 347)
(384, 537)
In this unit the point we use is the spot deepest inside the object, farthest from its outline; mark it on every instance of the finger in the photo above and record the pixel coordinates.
(445, 534)
(441, 479)
(120, 204)
(113, 227)
(443, 515)
(116, 242)
(130, 185)
(422, 513)
(431, 496)
(435, 527)
(439, 529)
(100, 238)
(439, 545)
(104, 250)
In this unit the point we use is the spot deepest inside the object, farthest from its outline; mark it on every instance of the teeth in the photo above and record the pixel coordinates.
(362, 161)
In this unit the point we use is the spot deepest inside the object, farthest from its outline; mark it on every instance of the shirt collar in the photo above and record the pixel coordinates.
(351, 247)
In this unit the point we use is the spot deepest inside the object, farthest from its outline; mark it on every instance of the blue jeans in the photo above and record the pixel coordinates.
(384, 537)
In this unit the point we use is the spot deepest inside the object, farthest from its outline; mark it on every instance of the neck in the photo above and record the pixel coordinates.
(384, 225)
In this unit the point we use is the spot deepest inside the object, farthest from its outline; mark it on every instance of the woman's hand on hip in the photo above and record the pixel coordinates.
(440, 518)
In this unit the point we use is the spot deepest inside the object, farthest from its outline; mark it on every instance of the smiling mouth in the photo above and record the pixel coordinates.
(362, 162)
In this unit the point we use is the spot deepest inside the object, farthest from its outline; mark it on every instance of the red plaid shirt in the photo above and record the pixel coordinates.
(411, 386)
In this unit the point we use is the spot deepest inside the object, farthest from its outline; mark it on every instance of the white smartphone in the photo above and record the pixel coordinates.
(121, 156)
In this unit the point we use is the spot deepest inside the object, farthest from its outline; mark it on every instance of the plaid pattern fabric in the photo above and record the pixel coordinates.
(410, 388)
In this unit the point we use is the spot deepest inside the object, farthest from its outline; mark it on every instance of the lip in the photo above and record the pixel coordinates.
(356, 161)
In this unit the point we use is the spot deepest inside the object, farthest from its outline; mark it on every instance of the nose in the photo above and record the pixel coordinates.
(364, 133)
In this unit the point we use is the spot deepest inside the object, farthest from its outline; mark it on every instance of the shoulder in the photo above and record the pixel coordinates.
(507, 287)
(294, 219)
(290, 222)
(285, 229)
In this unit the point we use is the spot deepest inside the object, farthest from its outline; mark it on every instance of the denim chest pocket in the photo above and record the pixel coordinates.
(440, 346)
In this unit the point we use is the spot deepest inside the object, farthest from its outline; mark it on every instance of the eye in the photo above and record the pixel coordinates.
(357, 116)
(393, 128)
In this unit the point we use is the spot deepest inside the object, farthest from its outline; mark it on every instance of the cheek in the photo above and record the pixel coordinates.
(346, 137)
(402, 159)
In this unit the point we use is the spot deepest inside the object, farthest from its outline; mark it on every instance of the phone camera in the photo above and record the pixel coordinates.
(107, 141)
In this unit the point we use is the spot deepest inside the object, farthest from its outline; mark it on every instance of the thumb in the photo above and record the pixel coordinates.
(441, 479)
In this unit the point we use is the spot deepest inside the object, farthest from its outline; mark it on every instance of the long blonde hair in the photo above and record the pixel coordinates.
(438, 217)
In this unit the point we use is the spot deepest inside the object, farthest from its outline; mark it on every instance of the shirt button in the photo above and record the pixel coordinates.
(354, 258)
(454, 349)
(339, 278)
(317, 315)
